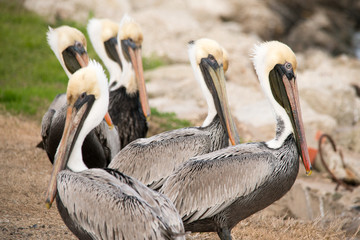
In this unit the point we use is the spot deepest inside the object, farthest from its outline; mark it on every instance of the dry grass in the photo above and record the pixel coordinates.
(262, 226)
(24, 174)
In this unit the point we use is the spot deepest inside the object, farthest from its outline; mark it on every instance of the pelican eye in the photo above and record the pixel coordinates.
(78, 44)
(211, 57)
(288, 66)
(83, 95)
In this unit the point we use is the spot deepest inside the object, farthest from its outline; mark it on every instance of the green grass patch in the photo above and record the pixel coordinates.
(153, 62)
(166, 121)
(30, 74)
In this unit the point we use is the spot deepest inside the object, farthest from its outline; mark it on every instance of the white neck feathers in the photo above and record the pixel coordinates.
(94, 29)
(53, 41)
(262, 68)
(127, 78)
(200, 79)
(94, 118)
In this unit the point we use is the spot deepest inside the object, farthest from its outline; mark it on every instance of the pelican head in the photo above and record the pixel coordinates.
(209, 61)
(103, 36)
(275, 64)
(87, 102)
(69, 46)
(130, 37)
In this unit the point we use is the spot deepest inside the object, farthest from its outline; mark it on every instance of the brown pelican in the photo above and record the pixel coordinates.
(215, 191)
(69, 46)
(101, 145)
(151, 160)
(102, 203)
(129, 107)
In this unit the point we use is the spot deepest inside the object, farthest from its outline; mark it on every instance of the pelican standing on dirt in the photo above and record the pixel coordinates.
(101, 145)
(102, 203)
(215, 191)
(129, 108)
(151, 160)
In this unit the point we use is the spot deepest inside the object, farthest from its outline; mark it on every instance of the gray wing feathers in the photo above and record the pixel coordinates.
(45, 125)
(58, 102)
(107, 208)
(151, 160)
(162, 206)
(57, 105)
(207, 184)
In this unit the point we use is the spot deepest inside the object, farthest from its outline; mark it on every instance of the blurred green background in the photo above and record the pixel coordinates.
(30, 74)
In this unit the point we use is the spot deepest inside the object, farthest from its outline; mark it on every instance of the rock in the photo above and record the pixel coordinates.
(78, 10)
(348, 137)
(172, 36)
(339, 102)
(174, 89)
(324, 88)
(313, 121)
(145, 4)
(257, 18)
(329, 33)
(315, 198)
(210, 10)
(174, 29)
(326, 24)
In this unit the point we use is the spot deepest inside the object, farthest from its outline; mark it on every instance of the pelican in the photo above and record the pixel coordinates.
(102, 203)
(151, 160)
(69, 46)
(119, 47)
(215, 191)
(101, 145)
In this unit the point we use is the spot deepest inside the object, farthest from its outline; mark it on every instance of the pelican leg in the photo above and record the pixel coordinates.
(224, 234)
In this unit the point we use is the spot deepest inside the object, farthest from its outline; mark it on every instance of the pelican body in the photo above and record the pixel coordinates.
(151, 160)
(101, 144)
(102, 203)
(215, 191)
(119, 47)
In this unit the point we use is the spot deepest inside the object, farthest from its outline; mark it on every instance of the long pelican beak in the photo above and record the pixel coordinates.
(215, 81)
(112, 50)
(75, 117)
(288, 96)
(75, 57)
(134, 53)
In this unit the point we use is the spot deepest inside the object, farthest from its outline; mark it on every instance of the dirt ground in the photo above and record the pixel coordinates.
(24, 175)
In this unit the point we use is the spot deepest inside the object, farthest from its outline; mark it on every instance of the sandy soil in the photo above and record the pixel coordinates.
(24, 174)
